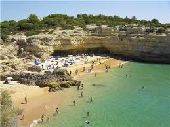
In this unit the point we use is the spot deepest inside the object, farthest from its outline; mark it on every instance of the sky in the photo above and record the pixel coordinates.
(16, 10)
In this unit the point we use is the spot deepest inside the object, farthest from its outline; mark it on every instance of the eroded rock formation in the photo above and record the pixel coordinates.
(150, 48)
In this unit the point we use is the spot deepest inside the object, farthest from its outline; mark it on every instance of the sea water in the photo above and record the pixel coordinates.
(137, 95)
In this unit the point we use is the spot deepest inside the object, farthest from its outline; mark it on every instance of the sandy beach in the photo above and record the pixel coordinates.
(40, 101)
(97, 67)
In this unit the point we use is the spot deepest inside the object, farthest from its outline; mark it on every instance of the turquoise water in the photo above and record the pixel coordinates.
(120, 101)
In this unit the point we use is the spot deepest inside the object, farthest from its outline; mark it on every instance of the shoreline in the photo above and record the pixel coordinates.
(40, 101)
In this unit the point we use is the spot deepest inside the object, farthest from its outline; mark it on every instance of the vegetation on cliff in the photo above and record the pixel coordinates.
(33, 25)
(8, 116)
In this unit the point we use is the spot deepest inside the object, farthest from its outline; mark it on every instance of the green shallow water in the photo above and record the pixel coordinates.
(120, 101)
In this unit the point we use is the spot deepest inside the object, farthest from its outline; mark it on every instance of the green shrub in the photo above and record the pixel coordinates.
(32, 32)
(8, 111)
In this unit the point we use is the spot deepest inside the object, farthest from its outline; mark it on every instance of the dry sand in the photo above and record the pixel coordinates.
(98, 67)
(40, 101)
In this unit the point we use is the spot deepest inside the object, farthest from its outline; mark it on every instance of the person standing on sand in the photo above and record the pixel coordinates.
(70, 72)
(119, 65)
(56, 110)
(42, 118)
(92, 67)
(22, 118)
(25, 100)
(76, 72)
(82, 86)
(84, 69)
(105, 66)
(78, 87)
(81, 94)
(74, 103)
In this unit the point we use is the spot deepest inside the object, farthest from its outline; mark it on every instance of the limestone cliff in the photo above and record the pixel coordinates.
(151, 48)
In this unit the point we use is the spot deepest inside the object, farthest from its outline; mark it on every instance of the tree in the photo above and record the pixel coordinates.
(33, 19)
(155, 21)
(4, 24)
(25, 25)
(5, 30)
(134, 18)
(32, 25)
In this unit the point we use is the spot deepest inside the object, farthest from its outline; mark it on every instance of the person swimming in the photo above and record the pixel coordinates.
(88, 114)
(87, 122)
(91, 99)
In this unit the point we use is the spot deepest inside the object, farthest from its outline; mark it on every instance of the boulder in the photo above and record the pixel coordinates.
(65, 84)
(74, 83)
(34, 68)
(60, 72)
(47, 83)
(55, 81)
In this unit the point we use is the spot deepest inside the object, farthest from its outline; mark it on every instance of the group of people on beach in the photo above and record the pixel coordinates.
(45, 118)
(120, 65)
(107, 67)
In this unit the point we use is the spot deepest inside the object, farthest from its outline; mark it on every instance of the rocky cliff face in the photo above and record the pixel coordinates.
(151, 48)
(155, 49)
